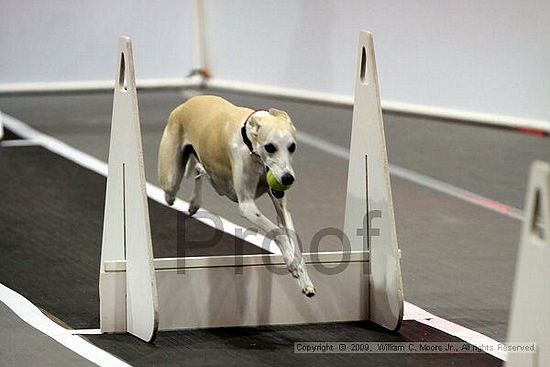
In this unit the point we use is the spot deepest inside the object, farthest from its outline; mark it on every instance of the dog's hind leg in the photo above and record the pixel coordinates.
(195, 202)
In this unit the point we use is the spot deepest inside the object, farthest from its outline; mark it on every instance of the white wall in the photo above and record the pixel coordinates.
(75, 40)
(482, 56)
(489, 56)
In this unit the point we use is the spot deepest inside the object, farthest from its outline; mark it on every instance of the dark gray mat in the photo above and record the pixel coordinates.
(273, 346)
(51, 218)
(458, 259)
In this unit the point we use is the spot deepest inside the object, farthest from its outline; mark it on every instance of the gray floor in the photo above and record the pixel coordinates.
(23, 345)
(458, 259)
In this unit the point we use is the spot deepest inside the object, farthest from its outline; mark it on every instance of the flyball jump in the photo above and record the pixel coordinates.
(140, 294)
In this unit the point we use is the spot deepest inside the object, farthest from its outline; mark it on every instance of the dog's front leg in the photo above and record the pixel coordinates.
(245, 182)
(245, 178)
(298, 266)
(249, 210)
(291, 254)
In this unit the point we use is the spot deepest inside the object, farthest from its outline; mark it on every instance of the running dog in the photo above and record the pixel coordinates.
(234, 147)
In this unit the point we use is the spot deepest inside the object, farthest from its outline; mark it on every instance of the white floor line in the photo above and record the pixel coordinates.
(479, 340)
(54, 145)
(419, 179)
(412, 312)
(29, 313)
(18, 143)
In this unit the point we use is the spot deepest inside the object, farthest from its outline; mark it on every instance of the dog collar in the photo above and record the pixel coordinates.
(246, 139)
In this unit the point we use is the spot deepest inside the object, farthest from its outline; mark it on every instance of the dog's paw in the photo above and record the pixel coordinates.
(305, 283)
(169, 198)
(193, 208)
(309, 291)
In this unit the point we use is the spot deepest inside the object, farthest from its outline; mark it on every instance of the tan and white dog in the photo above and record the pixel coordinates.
(234, 146)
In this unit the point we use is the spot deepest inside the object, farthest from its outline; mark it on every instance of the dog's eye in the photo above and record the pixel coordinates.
(270, 148)
(292, 148)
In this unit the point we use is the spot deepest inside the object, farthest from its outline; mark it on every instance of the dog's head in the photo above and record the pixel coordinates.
(274, 139)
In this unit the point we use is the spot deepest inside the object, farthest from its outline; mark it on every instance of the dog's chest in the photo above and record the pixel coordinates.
(252, 180)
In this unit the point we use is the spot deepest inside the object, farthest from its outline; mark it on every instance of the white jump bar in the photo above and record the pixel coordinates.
(174, 263)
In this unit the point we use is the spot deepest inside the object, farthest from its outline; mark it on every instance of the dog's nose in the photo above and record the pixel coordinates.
(287, 179)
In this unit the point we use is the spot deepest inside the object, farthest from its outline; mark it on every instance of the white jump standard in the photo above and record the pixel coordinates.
(529, 316)
(126, 228)
(140, 294)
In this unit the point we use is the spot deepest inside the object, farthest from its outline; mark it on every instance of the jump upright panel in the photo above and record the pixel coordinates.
(530, 316)
(369, 191)
(126, 231)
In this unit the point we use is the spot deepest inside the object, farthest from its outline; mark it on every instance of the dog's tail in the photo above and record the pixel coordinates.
(170, 159)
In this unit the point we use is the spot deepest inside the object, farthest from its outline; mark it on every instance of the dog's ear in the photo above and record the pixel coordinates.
(254, 124)
(278, 113)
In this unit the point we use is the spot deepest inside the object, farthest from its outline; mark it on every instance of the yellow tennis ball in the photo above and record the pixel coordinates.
(274, 184)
